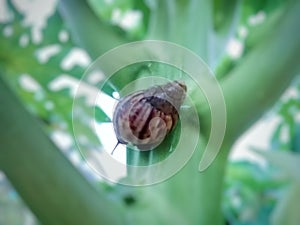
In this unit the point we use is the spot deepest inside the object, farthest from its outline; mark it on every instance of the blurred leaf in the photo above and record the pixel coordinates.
(143, 7)
(226, 18)
(117, 11)
(223, 14)
(266, 14)
(250, 7)
(250, 193)
(247, 173)
(105, 9)
(276, 142)
(287, 134)
(287, 210)
(53, 107)
(295, 142)
(225, 66)
(287, 162)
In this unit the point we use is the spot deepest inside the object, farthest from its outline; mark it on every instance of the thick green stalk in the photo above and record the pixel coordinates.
(187, 23)
(55, 191)
(197, 195)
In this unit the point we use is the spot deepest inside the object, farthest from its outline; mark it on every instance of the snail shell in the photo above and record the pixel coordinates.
(144, 118)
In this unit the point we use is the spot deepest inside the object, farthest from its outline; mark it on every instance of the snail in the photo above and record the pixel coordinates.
(144, 118)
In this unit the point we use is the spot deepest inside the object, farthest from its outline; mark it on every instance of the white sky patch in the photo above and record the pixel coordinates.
(62, 82)
(36, 13)
(49, 105)
(235, 48)
(128, 20)
(92, 94)
(94, 97)
(39, 95)
(98, 161)
(131, 19)
(8, 31)
(5, 15)
(29, 84)
(109, 2)
(24, 40)
(290, 93)
(257, 19)
(95, 76)
(75, 57)
(75, 158)
(236, 201)
(44, 54)
(82, 139)
(36, 35)
(116, 16)
(243, 32)
(62, 139)
(116, 95)
(63, 36)
(89, 173)
(107, 137)
(106, 103)
(258, 136)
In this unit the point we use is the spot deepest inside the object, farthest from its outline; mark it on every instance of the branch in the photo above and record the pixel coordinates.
(45, 179)
(92, 34)
(259, 80)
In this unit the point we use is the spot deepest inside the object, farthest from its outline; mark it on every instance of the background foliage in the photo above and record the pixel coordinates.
(38, 68)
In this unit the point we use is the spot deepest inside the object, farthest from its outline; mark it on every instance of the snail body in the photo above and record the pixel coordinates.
(144, 118)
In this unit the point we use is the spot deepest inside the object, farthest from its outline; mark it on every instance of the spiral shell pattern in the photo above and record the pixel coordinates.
(144, 118)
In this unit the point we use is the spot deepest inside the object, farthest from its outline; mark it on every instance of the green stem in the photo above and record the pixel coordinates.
(55, 191)
(198, 195)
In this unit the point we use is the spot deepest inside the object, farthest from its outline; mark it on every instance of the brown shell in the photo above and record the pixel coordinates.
(144, 118)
